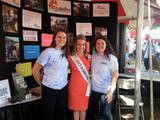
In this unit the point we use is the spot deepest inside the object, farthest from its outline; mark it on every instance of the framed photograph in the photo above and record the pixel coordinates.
(81, 9)
(62, 7)
(84, 28)
(101, 10)
(30, 35)
(100, 31)
(4, 91)
(34, 4)
(46, 39)
(16, 3)
(12, 49)
(31, 51)
(59, 23)
(31, 19)
(10, 19)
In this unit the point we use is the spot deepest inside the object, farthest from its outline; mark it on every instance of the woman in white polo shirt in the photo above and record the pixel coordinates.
(104, 77)
(51, 72)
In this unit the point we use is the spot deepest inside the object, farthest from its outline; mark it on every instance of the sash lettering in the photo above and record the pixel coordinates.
(81, 67)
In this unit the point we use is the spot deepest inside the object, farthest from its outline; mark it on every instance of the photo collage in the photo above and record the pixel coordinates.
(28, 26)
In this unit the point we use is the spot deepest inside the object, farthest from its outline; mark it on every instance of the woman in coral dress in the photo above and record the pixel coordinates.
(79, 83)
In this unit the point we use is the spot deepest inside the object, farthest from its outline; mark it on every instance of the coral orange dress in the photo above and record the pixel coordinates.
(77, 86)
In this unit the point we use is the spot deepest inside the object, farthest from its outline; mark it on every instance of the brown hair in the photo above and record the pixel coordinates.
(81, 36)
(64, 48)
(108, 49)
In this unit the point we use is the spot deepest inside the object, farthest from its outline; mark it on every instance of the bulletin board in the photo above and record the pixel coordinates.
(27, 28)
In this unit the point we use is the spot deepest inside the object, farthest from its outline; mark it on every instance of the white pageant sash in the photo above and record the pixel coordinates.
(83, 72)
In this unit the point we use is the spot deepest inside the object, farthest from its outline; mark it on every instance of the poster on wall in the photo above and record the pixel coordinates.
(31, 19)
(30, 35)
(59, 23)
(88, 47)
(34, 4)
(16, 3)
(81, 9)
(10, 19)
(24, 69)
(101, 10)
(46, 39)
(12, 49)
(84, 28)
(59, 7)
(100, 31)
(4, 91)
(31, 51)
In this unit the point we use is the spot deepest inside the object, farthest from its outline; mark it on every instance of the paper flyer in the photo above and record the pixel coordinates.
(46, 39)
(24, 69)
(31, 51)
(4, 91)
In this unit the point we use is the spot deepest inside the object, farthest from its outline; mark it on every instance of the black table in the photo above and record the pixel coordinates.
(24, 110)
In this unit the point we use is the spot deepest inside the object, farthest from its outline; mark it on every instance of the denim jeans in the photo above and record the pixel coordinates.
(146, 63)
(102, 109)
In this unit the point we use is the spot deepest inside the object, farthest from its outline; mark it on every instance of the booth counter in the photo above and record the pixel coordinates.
(24, 110)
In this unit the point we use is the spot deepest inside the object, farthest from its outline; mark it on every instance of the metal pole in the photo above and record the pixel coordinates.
(150, 62)
(140, 9)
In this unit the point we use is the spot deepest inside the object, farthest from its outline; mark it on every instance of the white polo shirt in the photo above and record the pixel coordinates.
(55, 68)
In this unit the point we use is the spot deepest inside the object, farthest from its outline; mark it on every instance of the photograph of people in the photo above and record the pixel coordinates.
(52, 4)
(100, 31)
(10, 19)
(34, 4)
(81, 9)
(79, 82)
(104, 68)
(12, 49)
(50, 72)
(59, 23)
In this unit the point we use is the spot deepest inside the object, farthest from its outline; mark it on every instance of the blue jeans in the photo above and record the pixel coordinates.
(146, 63)
(101, 108)
(158, 56)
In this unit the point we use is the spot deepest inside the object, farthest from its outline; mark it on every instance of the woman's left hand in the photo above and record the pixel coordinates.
(109, 97)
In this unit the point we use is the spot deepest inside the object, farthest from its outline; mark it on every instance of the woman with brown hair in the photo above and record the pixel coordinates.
(51, 72)
(104, 68)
